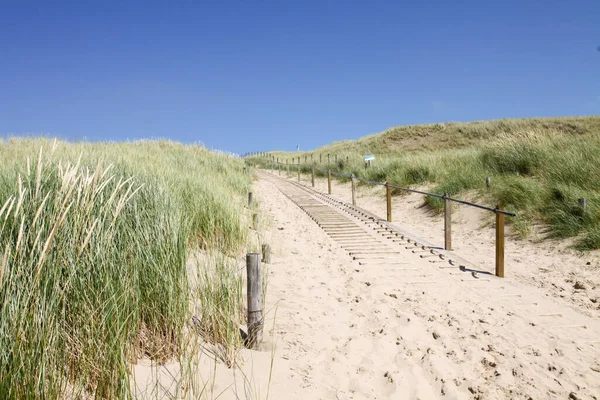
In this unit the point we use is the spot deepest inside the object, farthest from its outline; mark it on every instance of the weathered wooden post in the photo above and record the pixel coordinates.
(287, 163)
(249, 199)
(312, 176)
(305, 157)
(329, 181)
(488, 182)
(500, 242)
(266, 253)
(353, 190)
(255, 300)
(255, 221)
(582, 203)
(388, 197)
(279, 165)
(298, 169)
(321, 158)
(447, 223)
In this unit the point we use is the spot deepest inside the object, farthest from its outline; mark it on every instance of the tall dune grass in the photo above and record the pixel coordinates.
(94, 240)
(538, 168)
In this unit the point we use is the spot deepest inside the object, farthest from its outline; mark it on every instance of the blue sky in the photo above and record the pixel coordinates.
(267, 75)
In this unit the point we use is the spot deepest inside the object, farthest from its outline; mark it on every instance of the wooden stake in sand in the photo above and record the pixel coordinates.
(249, 199)
(353, 190)
(447, 223)
(388, 197)
(312, 176)
(255, 300)
(329, 181)
(266, 253)
(500, 242)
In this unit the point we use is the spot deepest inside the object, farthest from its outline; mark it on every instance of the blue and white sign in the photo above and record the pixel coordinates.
(370, 157)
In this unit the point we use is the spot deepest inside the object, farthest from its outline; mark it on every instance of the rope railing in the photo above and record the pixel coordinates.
(439, 196)
(498, 210)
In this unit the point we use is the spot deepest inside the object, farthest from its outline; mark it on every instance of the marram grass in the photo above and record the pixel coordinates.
(94, 240)
(538, 167)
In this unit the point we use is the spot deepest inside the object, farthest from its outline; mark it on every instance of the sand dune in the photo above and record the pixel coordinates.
(410, 328)
(350, 331)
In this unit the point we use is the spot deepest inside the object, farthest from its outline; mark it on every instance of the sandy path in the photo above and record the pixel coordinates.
(345, 330)
(547, 264)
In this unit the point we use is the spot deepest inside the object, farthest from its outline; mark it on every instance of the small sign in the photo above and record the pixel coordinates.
(370, 157)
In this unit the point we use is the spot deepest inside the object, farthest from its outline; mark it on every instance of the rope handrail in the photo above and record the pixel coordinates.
(439, 196)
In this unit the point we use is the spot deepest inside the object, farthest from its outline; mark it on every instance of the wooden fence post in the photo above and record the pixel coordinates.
(312, 176)
(298, 169)
(488, 182)
(321, 158)
(388, 197)
(447, 223)
(279, 165)
(249, 199)
(329, 181)
(288, 167)
(255, 221)
(500, 242)
(266, 253)
(582, 203)
(353, 190)
(255, 300)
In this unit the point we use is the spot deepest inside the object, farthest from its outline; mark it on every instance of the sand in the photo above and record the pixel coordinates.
(336, 329)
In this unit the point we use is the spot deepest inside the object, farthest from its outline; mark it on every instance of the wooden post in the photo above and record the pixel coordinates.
(388, 197)
(288, 167)
(321, 158)
(249, 199)
(266, 253)
(298, 169)
(329, 181)
(279, 165)
(305, 159)
(447, 223)
(255, 221)
(488, 182)
(582, 203)
(312, 176)
(328, 158)
(255, 300)
(353, 190)
(311, 157)
(500, 243)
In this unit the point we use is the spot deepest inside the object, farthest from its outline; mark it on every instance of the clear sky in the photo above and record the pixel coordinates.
(267, 75)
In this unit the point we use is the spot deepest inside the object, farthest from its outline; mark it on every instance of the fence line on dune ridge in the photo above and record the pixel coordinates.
(499, 210)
